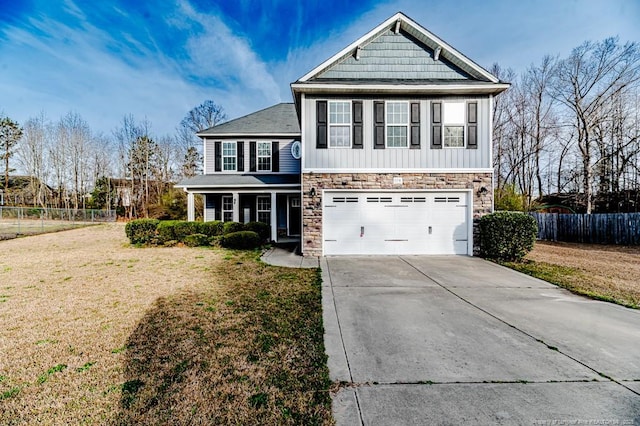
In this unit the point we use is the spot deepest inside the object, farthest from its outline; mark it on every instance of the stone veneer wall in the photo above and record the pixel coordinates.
(312, 206)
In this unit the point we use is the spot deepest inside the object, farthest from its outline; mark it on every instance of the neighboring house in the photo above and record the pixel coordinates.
(395, 137)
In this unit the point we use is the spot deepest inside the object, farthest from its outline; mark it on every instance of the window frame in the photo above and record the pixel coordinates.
(227, 156)
(224, 210)
(446, 125)
(387, 125)
(268, 157)
(259, 210)
(348, 125)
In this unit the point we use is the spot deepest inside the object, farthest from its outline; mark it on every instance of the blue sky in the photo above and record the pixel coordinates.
(158, 59)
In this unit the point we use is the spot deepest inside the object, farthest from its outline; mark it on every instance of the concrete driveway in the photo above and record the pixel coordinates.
(449, 340)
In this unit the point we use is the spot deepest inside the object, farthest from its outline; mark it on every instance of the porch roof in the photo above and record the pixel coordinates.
(235, 180)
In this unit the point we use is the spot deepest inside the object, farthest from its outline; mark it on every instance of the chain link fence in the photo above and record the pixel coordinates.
(17, 221)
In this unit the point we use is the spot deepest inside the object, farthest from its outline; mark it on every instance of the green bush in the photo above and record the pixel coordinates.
(229, 227)
(212, 229)
(141, 231)
(183, 229)
(241, 240)
(262, 229)
(507, 236)
(166, 230)
(195, 240)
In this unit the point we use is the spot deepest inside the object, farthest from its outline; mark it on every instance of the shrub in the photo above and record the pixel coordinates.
(229, 227)
(141, 231)
(212, 229)
(183, 229)
(241, 240)
(166, 230)
(507, 236)
(195, 240)
(262, 229)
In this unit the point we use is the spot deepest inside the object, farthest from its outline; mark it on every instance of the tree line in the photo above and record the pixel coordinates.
(571, 126)
(65, 164)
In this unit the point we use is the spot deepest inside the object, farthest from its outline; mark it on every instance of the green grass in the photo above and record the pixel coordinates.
(572, 279)
(53, 370)
(247, 351)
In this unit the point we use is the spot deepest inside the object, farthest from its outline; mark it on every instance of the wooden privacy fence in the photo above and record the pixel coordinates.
(601, 228)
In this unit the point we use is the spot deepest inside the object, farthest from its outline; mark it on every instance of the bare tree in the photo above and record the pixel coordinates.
(33, 156)
(10, 134)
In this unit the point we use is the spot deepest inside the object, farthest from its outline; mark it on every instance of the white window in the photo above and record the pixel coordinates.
(340, 124)
(228, 156)
(397, 124)
(264, 156)
(264, 209)
(453, 122)
(227, 209)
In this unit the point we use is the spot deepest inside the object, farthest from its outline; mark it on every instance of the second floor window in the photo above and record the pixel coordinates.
(264, 156)
(453, 120)
(397, 124)
(229, 156)
(340, 124)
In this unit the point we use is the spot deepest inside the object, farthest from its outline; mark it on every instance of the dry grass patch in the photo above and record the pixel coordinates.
(95, 331)
(607, 273)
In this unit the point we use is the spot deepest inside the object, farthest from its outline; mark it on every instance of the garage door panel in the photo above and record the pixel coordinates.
(395, 223)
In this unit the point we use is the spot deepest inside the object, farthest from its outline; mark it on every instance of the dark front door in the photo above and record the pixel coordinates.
(294, 216)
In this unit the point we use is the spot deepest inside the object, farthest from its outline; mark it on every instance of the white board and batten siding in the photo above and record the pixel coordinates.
(398, 158)
(288, 164)
(396, 223)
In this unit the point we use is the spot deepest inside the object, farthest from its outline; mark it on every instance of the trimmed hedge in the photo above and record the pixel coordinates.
(183, 229)
(262, 229)
(507, 236)
(229, 227)
(242, 240)
(195, 240)
(211, 229)
(141, 231)
(166, 231)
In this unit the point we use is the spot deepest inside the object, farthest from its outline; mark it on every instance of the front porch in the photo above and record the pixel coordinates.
(280, 209)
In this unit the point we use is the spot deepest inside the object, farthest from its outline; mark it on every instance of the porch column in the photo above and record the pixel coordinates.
(274, 218)
(236, 207)
(191, 207)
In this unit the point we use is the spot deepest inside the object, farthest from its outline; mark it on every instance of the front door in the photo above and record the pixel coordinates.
(294, 216)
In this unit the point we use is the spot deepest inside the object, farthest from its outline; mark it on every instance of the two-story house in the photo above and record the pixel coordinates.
(386, 150)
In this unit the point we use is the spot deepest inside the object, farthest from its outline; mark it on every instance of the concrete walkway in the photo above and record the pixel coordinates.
(450, 340)
(278, 256)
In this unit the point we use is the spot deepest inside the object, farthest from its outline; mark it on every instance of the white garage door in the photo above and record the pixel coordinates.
(395, 223)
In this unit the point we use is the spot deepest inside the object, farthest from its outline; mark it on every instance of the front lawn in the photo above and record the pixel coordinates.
(601, 272)
(98, 332)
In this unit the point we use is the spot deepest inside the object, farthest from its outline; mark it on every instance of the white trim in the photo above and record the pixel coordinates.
(258, 211)
(222, 191)
(270, 156)
(234, 156)
(204, 157)
(247, 135)
(446, 49)
(198, 187)
(222, 210)
(302, 124)
(386, 123)
(368, 171)
(411, 89)
(350, 124)
(490, 136)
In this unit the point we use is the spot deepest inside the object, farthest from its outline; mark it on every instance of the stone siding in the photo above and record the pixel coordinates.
(312, 205)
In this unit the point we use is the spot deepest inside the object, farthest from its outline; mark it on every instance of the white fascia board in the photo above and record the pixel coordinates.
(397, 171)
(248, 135)
(447, 49)
(413, 89)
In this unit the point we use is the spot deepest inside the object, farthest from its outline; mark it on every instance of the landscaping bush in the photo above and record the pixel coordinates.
(262, 229)
(229, 227)
(166, 231)
(183, 229)
(212, 229)
(241, 240)
(195, 240)
(507, 236)
(141, 231)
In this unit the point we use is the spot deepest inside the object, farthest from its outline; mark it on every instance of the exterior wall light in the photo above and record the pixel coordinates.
(312, 192)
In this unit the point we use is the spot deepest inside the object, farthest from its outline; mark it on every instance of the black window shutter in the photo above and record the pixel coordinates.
(378, 125)
(240, 156)
(436, 125)
(252, 157)
(472, 125)
(275, 156)
(218, 155)
(357, 125)
(321, 124)
(415, 125)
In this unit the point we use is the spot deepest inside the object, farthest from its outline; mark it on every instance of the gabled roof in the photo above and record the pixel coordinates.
(397, 53)
(277, 120)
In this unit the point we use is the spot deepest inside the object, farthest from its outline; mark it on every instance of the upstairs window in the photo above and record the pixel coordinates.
(453, 122)
(339, 124)
(397, 124)
(264, 156)
(229, 156)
